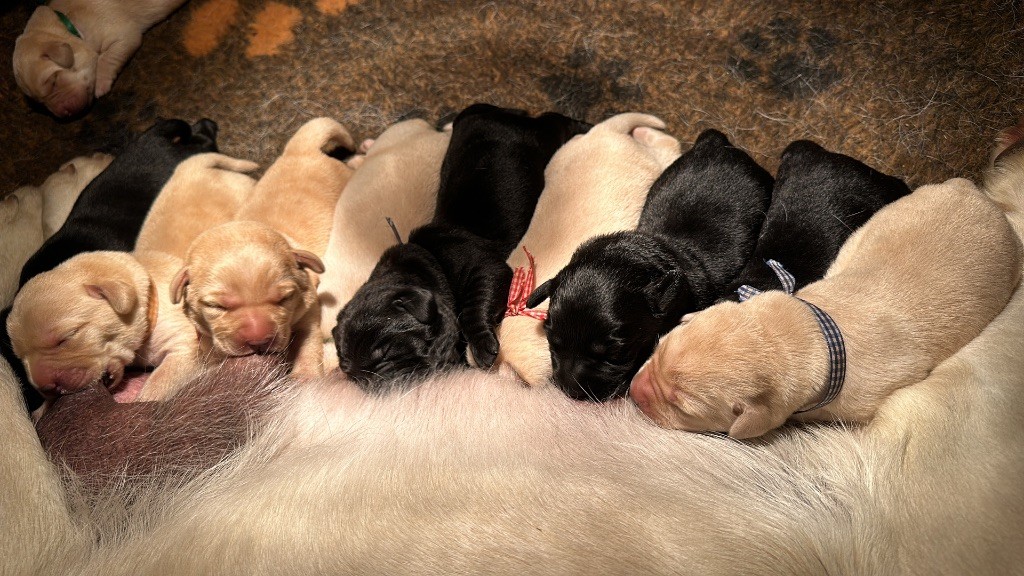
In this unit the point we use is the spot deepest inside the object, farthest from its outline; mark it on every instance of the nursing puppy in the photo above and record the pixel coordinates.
(298, 193)
(246, 290)
(820, 198)
(596, 184)
(111, 209)
(97, 314)
(911, 287)
(205, 190)
(62, 188)
(72, 50)
(21, 234)
(398, 179)
(622, 291)
(444, 291)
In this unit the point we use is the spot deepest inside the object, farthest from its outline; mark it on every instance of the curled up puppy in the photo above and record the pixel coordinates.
(96, 315)
(620, 292)
(596, 184)
(912, 286)
(247, 291)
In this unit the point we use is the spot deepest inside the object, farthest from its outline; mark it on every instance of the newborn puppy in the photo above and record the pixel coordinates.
(444, 290)
(96, 314)
(298, 193)
(596, 184)
(398, 179)
(622, 291)
(21, 234)
(918, 281)
(111, 209)
(820, 198)
(247, 290)
(72, 50)
(62, 188)
(205, 190)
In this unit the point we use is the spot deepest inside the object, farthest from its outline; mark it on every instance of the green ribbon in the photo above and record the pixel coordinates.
(64, 20)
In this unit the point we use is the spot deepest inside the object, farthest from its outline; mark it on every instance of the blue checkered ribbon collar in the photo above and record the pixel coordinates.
(829, 330)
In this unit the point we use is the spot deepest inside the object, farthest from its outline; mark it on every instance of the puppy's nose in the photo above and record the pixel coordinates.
(641, 390)
(255, 330)
(261, 347)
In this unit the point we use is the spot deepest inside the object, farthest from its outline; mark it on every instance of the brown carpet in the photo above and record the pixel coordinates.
(915, 88)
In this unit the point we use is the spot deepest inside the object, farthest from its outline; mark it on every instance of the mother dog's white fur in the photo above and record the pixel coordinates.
(595, 184)
(473, 474)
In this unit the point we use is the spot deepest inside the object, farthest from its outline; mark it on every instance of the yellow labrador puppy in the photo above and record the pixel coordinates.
(97, 314)
(247, 291)
(62, 188)
(397, 179)
(595, 184)
(917, 282)
(72, 50)
(21, 234)
(206, 190)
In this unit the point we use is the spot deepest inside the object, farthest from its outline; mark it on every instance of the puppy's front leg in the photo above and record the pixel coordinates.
(169, 376)
(112, 58)
(484, 300)
(306, 347)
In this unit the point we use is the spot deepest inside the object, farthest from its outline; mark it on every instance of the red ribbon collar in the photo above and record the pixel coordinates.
(524, 280)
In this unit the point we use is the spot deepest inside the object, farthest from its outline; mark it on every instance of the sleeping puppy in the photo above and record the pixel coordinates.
(205, 190)
(72, 50)
(109, 212)
(622, 291)
(95, 315)
(298, 193)
(596, 184)
(445, 289)
(21, 234)
(111, 209)
(918, 281)
(820, 198)
(62, 188)
(246, 290)
(398, 179)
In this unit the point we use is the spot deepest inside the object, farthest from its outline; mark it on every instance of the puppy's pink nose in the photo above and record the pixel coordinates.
(56, 380)
(641, 390)
(255, 330)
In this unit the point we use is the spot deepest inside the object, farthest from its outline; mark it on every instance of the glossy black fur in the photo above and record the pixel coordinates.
(110, 210)
(491, 178)
(820, 198)
(622, 291)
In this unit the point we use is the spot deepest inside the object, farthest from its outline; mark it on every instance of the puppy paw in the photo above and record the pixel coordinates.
(356, 161)
(484, 349)
(365, 145)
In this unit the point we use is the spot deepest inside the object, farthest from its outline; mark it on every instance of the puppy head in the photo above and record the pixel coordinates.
(736, 368)
(53, 66)
(244, 288)
(605, 315)
(81, 322)
(394, 329)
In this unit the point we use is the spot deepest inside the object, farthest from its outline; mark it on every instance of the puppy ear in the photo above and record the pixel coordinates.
(120, 295)
(418, 302)
(60, 53)
(541, 293)
(306, 259)
(178, 284)
(751, 420)
(660, 291)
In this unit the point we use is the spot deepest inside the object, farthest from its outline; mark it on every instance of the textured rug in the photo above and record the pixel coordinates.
(914, 88)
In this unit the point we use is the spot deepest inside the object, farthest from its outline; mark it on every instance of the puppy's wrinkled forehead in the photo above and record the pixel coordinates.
(241, 260)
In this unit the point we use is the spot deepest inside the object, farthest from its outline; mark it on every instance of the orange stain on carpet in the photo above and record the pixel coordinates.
(208, 25)
(334, 7)
(272, 29)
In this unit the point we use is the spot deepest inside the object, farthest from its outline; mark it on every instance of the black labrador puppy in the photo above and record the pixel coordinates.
(445, 289)
(820, 198)
(110, 210)
(620, 292)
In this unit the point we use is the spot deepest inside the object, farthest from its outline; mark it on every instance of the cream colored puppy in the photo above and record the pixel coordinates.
(98, 313)
(398, 178)
(72, 50)
(298, 193)
(205, 190)
(595, 184)
(246, 291)
(62, 188)
(21, 234)
(918, 281)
